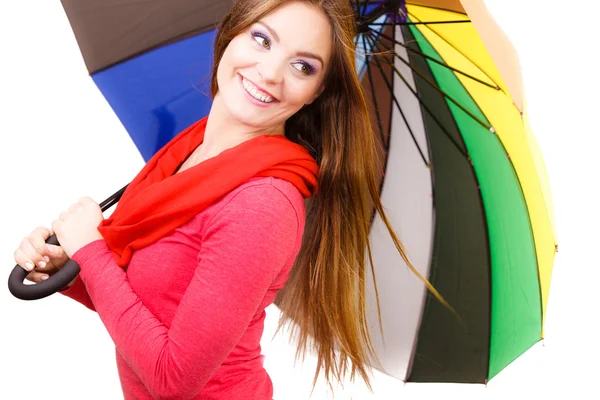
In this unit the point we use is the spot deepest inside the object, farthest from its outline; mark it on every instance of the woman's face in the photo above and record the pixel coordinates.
(268, 72)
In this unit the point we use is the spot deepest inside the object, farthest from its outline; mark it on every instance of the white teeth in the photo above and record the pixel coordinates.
(254, 92)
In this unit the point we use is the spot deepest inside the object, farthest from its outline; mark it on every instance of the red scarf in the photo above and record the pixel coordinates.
(158, 200)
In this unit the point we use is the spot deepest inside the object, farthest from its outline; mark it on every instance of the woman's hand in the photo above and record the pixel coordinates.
(41, 259)
(77, 227)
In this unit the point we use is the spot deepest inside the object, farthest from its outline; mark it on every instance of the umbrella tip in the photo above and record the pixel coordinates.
(492, 129)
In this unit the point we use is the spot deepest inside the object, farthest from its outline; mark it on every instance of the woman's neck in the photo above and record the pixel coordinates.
(223, 131)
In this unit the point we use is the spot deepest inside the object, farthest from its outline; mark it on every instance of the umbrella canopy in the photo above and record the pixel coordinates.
(464, 184)
(466, 187)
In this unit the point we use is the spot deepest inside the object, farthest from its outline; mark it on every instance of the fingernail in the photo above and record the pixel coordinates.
(28, 265)
(42, 264)
(47, 259)
(44, 277)
(49, 249)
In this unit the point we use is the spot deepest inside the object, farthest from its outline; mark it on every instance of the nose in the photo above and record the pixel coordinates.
(270, 70)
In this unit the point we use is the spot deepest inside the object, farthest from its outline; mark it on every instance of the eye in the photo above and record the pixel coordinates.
(305, 68)
(262, 39)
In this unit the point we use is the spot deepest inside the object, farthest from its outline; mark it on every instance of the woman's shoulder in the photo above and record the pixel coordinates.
(269, 193)
(267, 185)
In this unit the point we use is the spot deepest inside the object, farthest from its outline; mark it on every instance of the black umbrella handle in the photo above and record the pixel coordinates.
(58, 281)
(45, 288)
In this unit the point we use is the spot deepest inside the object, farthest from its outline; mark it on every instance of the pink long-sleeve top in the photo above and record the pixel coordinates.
(187, 315)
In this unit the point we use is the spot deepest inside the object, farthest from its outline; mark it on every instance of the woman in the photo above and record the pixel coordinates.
(215, 225)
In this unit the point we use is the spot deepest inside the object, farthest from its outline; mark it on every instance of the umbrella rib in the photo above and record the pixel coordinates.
(443, 64)
(400, 109)
(359, 12)
(369, 20)
(373, 91)
(443, 128)
(357, 9)
(392, 23)
(457, 50)
(364, 7)
(437, 88)
(462, 21)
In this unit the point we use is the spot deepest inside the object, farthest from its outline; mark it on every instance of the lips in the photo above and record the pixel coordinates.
(261, 91)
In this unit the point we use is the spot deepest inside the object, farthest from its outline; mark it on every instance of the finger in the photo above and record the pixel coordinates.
(63, 216)
(36, 277)
(44, 232)
(87, 199)
(74, 207)
(38, 241)
(50, 269)
(56, 254)
(31, 253)
(22, 260)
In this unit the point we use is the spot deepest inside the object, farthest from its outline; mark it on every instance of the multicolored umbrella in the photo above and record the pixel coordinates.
(464, 185)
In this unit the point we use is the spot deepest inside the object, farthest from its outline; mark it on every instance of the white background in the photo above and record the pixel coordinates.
(60, 141)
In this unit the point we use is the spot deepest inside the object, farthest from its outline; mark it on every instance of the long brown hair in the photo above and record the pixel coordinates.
(324, 296)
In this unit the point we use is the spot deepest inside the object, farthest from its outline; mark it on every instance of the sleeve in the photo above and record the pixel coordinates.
(78, 292)
(244, 247)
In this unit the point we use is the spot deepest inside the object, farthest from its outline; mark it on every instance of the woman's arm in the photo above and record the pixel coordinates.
(244, 248)
(78, 292)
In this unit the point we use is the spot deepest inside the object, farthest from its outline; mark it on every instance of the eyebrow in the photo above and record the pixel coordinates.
(300, 53)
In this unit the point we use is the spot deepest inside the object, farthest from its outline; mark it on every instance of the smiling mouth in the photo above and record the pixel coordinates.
(256, 93)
